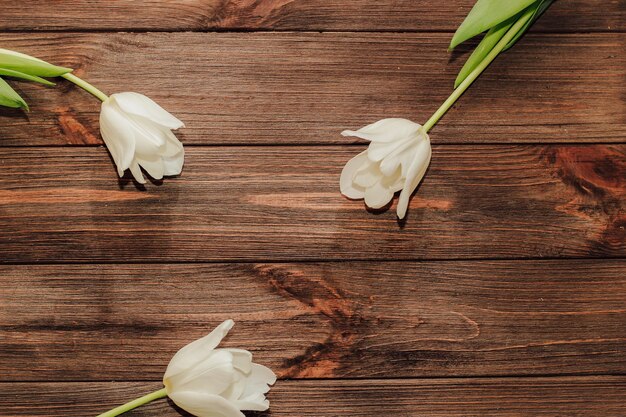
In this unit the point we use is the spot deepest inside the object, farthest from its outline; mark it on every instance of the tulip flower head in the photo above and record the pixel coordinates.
(138, 133)
(210, 382)
(396, 159)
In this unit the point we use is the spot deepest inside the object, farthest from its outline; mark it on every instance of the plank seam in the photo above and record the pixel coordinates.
(317, 261)
(355, 379)
(320, 145)
(264, 30)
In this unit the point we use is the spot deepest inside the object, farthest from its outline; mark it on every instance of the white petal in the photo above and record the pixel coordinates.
(378, 196)
(173, 145)
(152, 164)
(242, 359)
(396, 185)
(393, 182)
(236, 388)
(197, 351)
(385, 130)
(407, 157)
(393, 159)
(205, 405)
(173, 156)
(389, 165)
(414, 176)
(345, 182)
(136, 171)
(213, 375)
(117, 133)
(259, 380)
(367, 175)
(140, 105)
(151, 139)
(256, 402)
(173, 165)
(378, 151)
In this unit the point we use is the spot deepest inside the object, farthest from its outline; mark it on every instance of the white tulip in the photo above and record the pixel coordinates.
(396, 159)
(210, 382)
(138, 133)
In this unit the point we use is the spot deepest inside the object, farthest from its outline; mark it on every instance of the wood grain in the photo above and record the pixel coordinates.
(550, 397)
(283, 203)
(354, 15)
(453, 313)
(317, 320)
(305, 88)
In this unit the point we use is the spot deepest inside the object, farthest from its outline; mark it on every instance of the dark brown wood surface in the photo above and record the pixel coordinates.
(503, 294)
(510, 397)
(283, 203)
(305, 88)
(336, 15)
(318, 320)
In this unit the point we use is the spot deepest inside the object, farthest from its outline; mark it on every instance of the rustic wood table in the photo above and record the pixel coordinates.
(503, 294)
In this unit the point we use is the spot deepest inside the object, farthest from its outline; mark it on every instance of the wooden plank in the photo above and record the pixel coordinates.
(550, 397)
(317, 320)
(353, 15)
(283, 203)
(305, 88)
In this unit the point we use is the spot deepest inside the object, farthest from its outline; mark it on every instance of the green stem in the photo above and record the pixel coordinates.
(458, 92)
(135, 403)
(85, 86)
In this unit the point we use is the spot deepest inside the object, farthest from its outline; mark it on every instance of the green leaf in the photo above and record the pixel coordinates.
(486, 14)
(26, 64)
(9, 98)
(484, 47)
(540, 7)
(495, 34)
(21, 75)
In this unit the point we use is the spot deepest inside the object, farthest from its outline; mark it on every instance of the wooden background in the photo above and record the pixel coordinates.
(503, 294)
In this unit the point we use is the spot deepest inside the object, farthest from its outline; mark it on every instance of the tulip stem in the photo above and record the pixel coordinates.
(135, 403)
(458, 92)
(85, 86)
